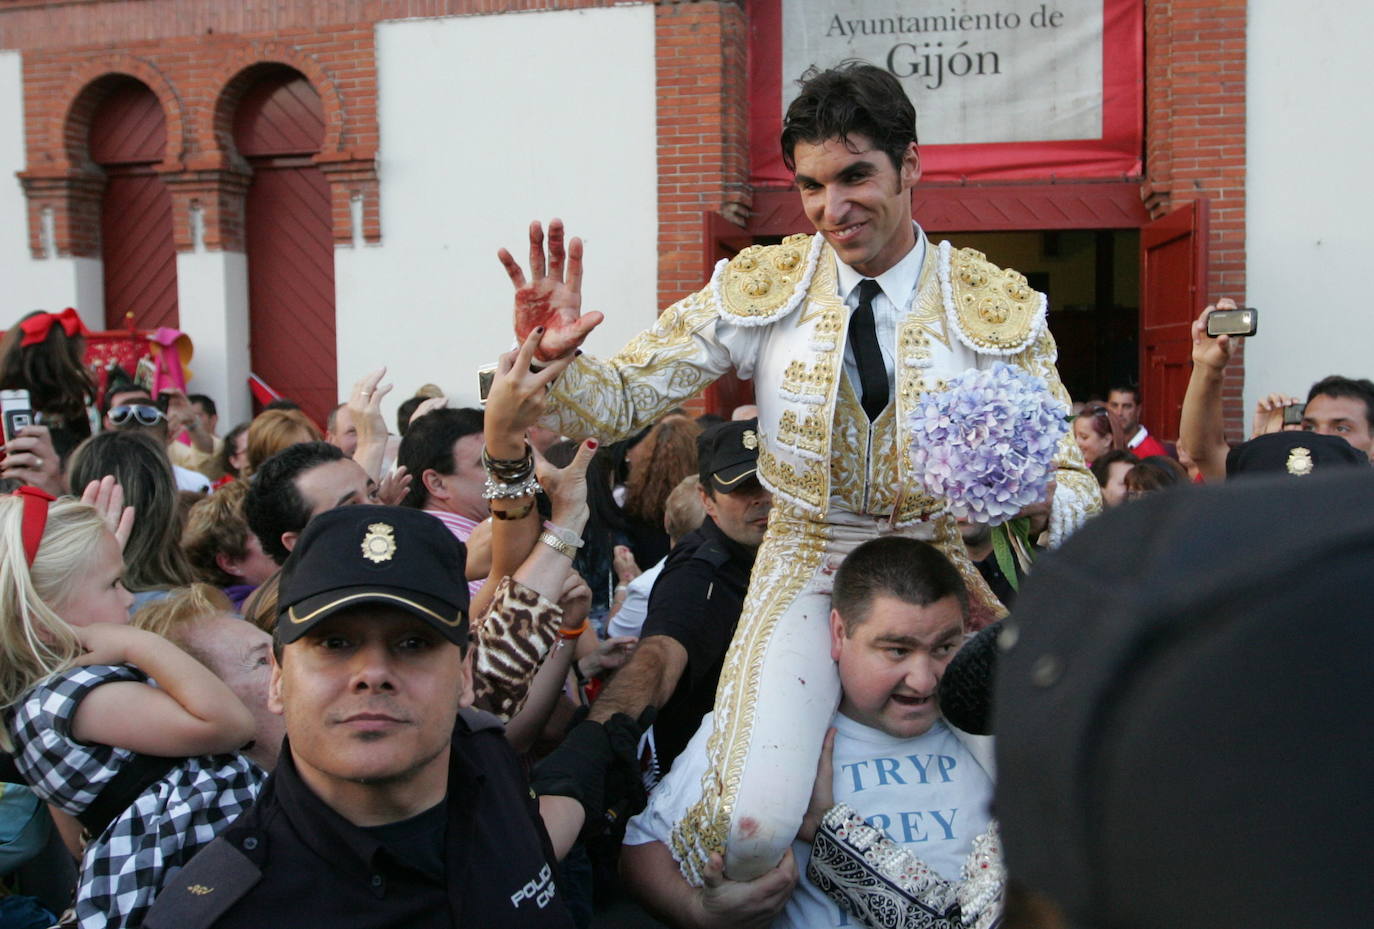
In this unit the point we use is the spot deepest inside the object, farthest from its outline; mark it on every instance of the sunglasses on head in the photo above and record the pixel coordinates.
(137, 412)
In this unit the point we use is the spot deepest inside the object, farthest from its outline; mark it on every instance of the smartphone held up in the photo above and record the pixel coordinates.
(1243, 321)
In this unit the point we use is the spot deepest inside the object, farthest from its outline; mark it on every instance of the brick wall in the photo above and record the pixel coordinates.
(199, 56)
(1195, 60)
(703, 136)
(199, 80)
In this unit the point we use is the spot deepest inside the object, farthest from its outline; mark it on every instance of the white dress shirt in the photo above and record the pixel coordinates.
(898, 285)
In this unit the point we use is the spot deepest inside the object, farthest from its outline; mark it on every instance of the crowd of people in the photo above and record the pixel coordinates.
(496, 666)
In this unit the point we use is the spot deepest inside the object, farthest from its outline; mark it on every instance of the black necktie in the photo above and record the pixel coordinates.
(863, 335)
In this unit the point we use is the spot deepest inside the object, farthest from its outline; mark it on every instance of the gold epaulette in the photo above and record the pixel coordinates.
(764, 282)
(995, 309)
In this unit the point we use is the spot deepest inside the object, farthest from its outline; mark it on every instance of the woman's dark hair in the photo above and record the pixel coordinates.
(852, 98)
(1102, 467)
(54, 373)
(669, 455)
(226, 451)
(1104, 424)
(1157, 472)
(153, 559)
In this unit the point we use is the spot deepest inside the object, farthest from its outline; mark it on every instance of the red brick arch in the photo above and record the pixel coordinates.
(239, 71)
(69, 127)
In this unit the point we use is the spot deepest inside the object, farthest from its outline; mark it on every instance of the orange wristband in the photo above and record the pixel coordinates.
(573, 633)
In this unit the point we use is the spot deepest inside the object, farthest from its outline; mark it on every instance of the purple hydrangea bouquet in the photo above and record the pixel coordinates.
(987, 443)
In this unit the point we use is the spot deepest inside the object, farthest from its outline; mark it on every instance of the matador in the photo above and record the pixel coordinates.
(834, 438)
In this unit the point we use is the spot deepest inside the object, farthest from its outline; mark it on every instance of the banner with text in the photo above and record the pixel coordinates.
(1003, 90)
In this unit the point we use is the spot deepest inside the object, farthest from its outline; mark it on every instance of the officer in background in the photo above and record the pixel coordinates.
(697, 599)
(394, 803)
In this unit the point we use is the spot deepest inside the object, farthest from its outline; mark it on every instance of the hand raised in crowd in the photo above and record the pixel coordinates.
(180, 414)
(433, 403)
(567, 487)
(108, 497)
(1269, 414)
(365, 403)
(745, 904)
(626, 568)
(552, 296)
(365, 406)
(1207, 351)
(517, 397)
(31, 458)
(575, 601)
(823, 792)
(392, 488)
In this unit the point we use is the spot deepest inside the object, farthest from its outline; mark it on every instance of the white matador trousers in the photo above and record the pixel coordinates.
(779, 689)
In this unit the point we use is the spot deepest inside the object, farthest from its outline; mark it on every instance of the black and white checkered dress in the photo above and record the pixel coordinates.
(124, 867)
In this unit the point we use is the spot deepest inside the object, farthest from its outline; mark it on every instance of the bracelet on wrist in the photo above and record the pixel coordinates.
(573, 633)
(621, 589)
(518, 512)
(566, 536)
(509, 470)
(502, 490)
(577, 673)
(558, 545)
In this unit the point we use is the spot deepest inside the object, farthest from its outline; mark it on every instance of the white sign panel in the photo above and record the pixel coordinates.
(977, 71)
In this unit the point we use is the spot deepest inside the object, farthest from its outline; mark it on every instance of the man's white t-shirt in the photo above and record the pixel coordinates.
(929, 794)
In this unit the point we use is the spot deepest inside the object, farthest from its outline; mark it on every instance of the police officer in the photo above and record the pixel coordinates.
(696, 602)
(393, 804)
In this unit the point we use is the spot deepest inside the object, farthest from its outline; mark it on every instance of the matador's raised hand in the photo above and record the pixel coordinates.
(552, 297)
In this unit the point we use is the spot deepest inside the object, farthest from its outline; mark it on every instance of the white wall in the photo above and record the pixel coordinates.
(29, 284)
(488, 122)
(1309, 203)
(212, 305)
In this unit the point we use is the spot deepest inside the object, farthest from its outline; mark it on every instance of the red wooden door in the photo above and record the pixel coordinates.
(128, 136)
(1173, 288)
(289, 237)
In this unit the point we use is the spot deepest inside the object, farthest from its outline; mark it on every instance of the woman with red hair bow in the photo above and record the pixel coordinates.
(44, 353)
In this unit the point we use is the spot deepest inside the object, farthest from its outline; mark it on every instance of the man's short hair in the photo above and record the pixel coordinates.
(215, 526)
(429, 445)
(1348, 387)
(204, 402)
(854, 97)
(908, 569)
(274, 504)
(1132, 389)
(333, 419)
(1102, 467)
(682, 511)
(405, 411)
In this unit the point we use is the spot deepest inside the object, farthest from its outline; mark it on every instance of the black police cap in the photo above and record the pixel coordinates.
(729, 454)
(385, 555)
(1183, 710)
(1292, 452)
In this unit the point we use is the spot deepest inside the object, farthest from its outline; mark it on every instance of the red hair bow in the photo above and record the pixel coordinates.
(36, 502)
(37, 327)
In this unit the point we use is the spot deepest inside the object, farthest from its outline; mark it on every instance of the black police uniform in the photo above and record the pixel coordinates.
(696, 600)
(291, 860)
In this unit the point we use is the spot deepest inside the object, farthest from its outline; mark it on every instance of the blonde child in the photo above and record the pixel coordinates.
(151, 769)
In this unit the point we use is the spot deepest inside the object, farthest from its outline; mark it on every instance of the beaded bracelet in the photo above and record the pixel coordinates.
(501, 490)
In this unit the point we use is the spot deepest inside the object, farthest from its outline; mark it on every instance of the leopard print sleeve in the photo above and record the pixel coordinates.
(512, 640)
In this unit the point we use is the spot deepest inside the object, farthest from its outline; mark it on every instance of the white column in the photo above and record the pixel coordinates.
(212, 297)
